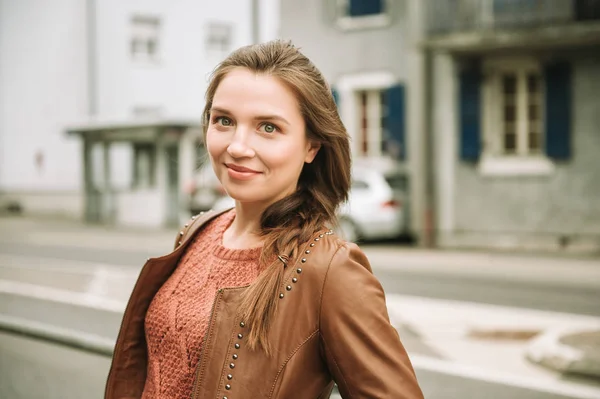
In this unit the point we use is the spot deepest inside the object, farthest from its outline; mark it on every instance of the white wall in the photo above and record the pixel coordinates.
(42, 87)
(177, 82)
(270, 17)
(44, 80)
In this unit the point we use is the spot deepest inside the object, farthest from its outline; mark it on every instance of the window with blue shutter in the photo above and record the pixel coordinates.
(394, 122)
(359, 8)
(336, 96)
(470, 114)
(558, 111)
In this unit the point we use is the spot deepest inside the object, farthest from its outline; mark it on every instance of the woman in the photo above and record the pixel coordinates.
(264, 301)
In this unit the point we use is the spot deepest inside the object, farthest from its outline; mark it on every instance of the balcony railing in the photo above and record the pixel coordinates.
(448, 16)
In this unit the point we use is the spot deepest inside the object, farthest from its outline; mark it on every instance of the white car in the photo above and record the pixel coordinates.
(376, 208)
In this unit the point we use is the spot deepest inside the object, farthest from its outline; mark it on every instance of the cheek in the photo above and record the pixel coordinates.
(289, 158)
(215, 144)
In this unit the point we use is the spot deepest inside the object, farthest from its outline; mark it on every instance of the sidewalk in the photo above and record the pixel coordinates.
(388, 256)
(514, 342)
(576, 270)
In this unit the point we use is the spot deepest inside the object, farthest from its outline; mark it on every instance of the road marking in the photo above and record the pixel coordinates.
(408, 303)
(541, 271)
(62, 296)
(555, 387)
(64, 266)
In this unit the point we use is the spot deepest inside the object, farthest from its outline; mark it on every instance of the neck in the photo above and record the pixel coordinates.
(245, 228)
(247, 219)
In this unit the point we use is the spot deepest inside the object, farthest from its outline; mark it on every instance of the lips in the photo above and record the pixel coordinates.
(240, 169)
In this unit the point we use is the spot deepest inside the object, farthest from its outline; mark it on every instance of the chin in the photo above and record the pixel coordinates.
(243, 196)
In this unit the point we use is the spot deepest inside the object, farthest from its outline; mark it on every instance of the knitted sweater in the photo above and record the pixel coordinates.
(178, 316)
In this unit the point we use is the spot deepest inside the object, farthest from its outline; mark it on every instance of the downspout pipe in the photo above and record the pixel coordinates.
(92, 73)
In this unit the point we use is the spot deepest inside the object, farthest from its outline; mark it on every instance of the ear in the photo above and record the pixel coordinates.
(313, 149)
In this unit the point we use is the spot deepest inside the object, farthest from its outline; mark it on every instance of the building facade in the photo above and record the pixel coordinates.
(490, 104)
(100, 63)
(368, 52)
(515, 123)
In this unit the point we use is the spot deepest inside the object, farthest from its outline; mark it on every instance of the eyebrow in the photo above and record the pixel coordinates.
(257, 118)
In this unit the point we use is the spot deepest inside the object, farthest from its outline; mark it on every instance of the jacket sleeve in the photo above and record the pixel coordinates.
(362, 349)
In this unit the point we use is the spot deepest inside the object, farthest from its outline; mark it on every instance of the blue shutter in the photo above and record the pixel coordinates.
(558, 111)
(336, 96)
(470, 114)
(365, 7)
(395, 120)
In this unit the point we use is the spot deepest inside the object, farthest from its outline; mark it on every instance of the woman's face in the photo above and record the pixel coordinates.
(256, 137)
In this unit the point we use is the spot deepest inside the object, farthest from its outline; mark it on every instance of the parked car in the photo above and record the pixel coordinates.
(204, 190)
(377, 207)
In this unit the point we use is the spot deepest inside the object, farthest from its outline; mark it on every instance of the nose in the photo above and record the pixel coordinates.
(239, 147)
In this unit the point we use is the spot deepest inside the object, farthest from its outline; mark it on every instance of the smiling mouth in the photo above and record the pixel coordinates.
(240, 169)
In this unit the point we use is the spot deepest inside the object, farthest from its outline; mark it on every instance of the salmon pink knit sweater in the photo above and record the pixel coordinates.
(178, 316)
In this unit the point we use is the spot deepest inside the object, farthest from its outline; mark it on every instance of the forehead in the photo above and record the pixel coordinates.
(242, 90)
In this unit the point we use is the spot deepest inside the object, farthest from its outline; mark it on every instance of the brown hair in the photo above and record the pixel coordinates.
(323, 184)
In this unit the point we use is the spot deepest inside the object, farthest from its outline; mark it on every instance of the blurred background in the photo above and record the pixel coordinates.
(475, 129)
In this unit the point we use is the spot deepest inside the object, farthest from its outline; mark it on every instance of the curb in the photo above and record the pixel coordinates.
(550, 350)
(92, 343)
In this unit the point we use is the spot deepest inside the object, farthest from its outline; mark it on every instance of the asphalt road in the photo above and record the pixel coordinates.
(37, 370)
(521, 294)
(526, 294)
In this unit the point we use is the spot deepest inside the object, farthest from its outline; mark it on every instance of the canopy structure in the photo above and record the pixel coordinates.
(134, 172)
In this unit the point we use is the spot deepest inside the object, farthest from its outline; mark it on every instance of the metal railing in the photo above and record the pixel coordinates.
(449, 16)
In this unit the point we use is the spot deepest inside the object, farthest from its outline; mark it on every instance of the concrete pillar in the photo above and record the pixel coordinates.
(108, 200)
(416, 117)
(445, 128)
(161, 178)
(90, 205)
(187, 168)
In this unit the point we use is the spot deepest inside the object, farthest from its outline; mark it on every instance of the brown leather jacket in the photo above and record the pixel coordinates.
(331, 325)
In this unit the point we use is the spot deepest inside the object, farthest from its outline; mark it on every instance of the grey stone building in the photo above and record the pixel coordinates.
(515, 122)
(498, 121)
(367, 50)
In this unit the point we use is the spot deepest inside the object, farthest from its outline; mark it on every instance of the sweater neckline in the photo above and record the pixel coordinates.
(225, 253)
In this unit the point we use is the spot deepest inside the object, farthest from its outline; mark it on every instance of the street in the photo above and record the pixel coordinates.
(37, 370)
(78, 278)
(528, 294)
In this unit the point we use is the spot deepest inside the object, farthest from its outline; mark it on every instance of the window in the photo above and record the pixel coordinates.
(513, 118)
(361, 8)
(143, 165)
(515, 115)
(514, 102)
(397, 182)
(201, 154)
(372, 121)
(587, 10)
(219, 36)
(362, 14)
(359, 185)
(144, 46)
(372, 107)
(379, 133)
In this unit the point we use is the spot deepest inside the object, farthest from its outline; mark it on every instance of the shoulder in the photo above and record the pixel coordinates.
(328, 257)
(206, 222)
